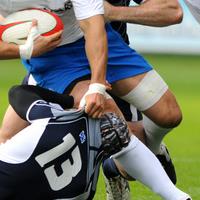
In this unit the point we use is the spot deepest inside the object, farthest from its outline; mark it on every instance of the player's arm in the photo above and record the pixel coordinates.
(34, 94)
(149, 12)
(96, 46)
(90, 16)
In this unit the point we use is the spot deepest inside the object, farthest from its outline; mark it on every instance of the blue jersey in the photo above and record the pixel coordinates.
(56, 157)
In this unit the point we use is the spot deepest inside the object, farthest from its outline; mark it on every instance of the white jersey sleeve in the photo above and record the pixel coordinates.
(87, 8)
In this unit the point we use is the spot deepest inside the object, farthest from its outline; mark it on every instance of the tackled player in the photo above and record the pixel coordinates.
(59, 154)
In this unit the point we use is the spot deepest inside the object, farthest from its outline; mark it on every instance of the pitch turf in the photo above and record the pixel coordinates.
(182, 73)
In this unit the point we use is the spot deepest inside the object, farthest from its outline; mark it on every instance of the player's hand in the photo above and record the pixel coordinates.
(43, 44)
(95, 104)
(94, 100)
(36, 44)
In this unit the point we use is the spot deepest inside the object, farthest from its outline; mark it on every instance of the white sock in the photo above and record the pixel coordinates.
(154, 134)
(139, 162)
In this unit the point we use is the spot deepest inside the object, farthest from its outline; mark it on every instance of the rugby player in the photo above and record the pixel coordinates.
(58, 155)
(82, 18)
(118, 87)
(127, 71)
(152, 13)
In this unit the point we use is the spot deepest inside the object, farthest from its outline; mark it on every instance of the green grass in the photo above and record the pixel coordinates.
(182, 73)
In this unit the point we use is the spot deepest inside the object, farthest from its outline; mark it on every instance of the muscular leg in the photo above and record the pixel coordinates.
(165, 112)
(136, 158)
(11, 124)
(150, 94)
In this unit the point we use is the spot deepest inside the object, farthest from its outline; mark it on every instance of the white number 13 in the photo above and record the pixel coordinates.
(69, 170)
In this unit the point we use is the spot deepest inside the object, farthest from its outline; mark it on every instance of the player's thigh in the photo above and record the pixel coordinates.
(11, 124)
(78, 90)
(149, 93)
(124, 86)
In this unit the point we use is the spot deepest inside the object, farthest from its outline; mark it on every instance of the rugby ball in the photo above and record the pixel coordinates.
(16, 26)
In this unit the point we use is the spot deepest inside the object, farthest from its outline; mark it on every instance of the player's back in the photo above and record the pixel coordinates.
(52, 159)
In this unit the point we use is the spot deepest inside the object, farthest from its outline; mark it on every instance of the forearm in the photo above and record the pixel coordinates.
(151, 13)
(8, 51)
(96, 48)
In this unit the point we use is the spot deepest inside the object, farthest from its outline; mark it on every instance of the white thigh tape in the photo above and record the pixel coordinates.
(26, 49)
(150, 89)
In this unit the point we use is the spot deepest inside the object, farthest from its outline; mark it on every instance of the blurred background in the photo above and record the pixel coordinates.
(174, 52)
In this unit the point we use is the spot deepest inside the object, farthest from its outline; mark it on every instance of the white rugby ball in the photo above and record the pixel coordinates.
(16, 26)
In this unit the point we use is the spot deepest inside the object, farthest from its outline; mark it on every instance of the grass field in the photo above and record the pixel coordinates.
(182, 73)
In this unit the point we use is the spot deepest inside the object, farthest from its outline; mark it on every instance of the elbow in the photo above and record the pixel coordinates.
(173, 13)
(177, 15)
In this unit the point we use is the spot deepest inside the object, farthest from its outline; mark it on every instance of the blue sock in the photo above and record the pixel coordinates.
(109, 168)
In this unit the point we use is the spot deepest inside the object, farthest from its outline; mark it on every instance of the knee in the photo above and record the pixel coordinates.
(175, 119)
(171, 119)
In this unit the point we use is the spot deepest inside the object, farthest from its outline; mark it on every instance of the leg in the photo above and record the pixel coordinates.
(136, 159)
(139, 162)
(142, 164)
(164, 110)
(11, 125)
(150, 94)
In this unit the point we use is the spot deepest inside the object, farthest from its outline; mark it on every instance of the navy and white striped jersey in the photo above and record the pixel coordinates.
(56, 157)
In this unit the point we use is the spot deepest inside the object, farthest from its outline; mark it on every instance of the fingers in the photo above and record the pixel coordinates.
(34, 23)
(33, 32)
(108, 86)
(55, 37)
(95, 105)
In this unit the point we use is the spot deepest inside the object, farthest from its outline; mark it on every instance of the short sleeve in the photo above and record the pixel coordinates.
(87, 8)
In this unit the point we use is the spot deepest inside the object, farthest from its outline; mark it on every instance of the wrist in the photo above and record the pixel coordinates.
(93, 88)
(97, 88)
(25, 51)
